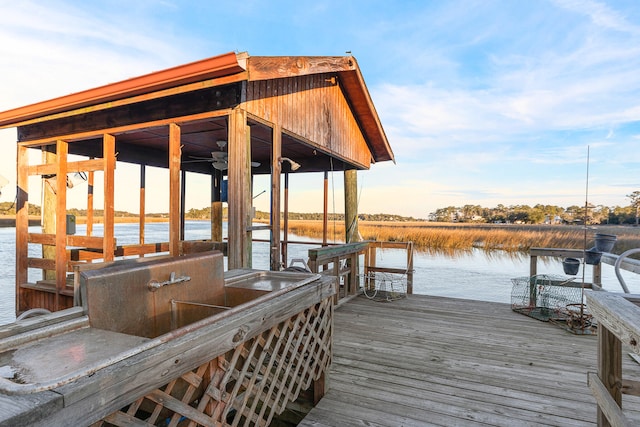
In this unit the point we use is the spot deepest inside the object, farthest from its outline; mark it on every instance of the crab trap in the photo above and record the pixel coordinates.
(552, 298)
(382, 286)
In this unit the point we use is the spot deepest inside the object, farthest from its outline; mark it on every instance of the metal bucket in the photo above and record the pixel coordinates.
(592, 256)
(605, 242)
(571, 266)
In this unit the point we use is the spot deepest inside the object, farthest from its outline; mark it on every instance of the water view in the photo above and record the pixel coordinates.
(474, 274)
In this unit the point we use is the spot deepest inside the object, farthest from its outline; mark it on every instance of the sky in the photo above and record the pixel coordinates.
(483, 102)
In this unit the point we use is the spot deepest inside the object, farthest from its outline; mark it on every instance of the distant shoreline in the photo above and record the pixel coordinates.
(10, 220)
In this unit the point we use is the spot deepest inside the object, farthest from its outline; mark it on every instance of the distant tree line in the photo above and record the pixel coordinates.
(538, 214)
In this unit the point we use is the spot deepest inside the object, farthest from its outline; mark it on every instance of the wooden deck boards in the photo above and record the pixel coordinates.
(429, 360)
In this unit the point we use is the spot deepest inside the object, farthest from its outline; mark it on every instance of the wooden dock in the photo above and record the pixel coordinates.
(429, 360)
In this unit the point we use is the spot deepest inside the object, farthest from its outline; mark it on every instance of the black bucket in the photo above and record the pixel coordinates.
(592, 256)
(571, 266)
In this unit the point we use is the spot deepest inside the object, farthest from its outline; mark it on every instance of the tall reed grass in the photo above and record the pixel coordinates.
(510, 238)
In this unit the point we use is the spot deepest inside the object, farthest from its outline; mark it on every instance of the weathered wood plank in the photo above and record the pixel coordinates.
(608, 404)
(617, 315)
(78, 166)
(326, 253)
(19, 411)
(445, 361)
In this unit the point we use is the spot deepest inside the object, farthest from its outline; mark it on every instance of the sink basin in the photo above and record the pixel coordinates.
(129, 309)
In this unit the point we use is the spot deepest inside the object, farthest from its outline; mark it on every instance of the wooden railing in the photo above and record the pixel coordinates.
(627, 264)
(618, 317)
(343, 262)
(534, 253)
(371, 266)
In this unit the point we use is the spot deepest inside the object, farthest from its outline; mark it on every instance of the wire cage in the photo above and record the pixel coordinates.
(383, 286)
(547, 297)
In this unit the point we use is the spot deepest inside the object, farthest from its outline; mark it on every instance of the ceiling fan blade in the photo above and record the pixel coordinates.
(221, 166)
(198, 160)
(219, 156)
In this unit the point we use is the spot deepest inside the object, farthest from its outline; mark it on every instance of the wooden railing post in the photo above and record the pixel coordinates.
(609, 368)
(410, 268)
(533, 265)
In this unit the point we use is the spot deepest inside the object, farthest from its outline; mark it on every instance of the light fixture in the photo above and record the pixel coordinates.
(294, 165)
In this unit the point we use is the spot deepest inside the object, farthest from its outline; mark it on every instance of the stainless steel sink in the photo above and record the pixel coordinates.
(128, 309)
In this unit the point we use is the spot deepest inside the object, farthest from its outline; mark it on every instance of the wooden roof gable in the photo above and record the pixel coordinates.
(223, 69)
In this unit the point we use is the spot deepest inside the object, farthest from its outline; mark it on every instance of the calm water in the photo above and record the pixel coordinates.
(471, 275)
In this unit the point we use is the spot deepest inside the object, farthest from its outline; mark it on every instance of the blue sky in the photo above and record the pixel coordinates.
(484, 102)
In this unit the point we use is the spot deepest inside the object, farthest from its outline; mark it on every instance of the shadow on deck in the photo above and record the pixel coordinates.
(428, 360)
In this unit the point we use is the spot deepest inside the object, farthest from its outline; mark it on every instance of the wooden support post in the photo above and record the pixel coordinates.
(62, 149)
(533, 270)
(325, 209)
(143, 206)
(351, 205)
(533, 265)
(216, 206)
(90, 181)
(609, 368)
(49, 188)
(276, 169)
(409, 268)
(109, 156)
(351, 219)
(239, 191)
(183, 194)
(174, 189)
(319, 388)
(285, 225)
(22, 224)
(597, 274)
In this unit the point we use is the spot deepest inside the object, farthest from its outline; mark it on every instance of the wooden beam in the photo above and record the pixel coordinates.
(142, 201)
(136, 99)
(239, 192)
(49, 204)
(351, 205)
(124, 129)
(22, 223)
(276, 170)
(90, 181)
(174, 189)
(276, 67)
(173, 106)
(609, 368)
(79, 166)
(109, 158)
(285, 222)
(325, 208)
(216, 206)
(62, 148)
(183, 201)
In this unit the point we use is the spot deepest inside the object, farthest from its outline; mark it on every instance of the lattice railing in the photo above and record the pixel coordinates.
(246, 386)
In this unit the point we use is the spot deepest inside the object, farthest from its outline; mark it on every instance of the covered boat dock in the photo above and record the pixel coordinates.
(228, 117)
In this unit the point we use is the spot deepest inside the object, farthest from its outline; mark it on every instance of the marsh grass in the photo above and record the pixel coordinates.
(509, 238)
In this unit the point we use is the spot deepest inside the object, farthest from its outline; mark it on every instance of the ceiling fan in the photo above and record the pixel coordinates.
(219, 159)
